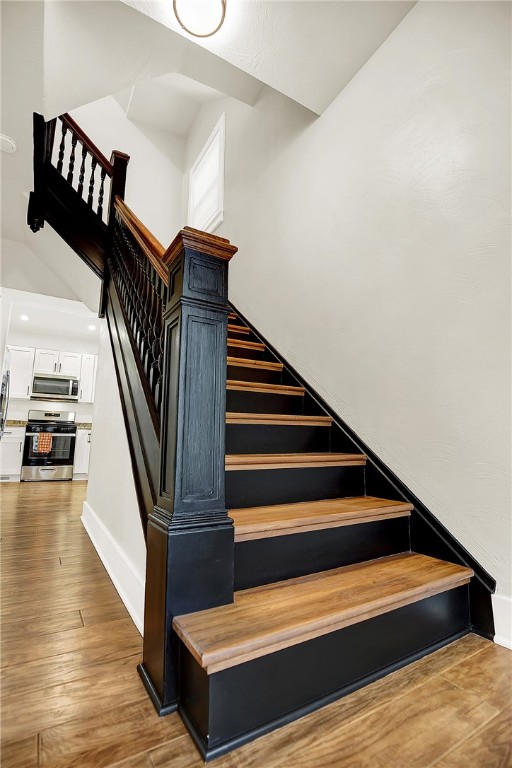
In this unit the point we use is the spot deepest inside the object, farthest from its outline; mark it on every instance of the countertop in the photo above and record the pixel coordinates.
(23, 423)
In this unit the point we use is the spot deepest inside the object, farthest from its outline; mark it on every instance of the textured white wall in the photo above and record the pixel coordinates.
(111, 512)
(155, 171)
(375, 254)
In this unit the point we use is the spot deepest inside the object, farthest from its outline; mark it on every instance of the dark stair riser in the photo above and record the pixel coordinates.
(264, 561)
(255, 488)
(231, 707)
(273, 438)
(243, 373)
(247, 354)
(238, 401)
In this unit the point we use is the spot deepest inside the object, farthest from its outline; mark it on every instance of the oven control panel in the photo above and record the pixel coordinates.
(61, 429)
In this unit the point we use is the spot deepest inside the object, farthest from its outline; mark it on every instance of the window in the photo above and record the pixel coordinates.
(206, 183)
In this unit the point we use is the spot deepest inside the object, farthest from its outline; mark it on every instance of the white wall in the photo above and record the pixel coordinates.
(23, 270)
(375, 255)
(111, 512)
(155, 171)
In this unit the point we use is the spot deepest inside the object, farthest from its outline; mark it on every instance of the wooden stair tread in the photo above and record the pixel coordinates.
(264, 365)
(255, 386)
(245, 461)
(257, 346)
(282, 419)
(232, 316)
(283, 519)
(238, 328)
(266, 619)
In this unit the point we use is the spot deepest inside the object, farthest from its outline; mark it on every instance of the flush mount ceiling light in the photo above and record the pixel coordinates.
(91, 327)
(200, 15)
(7, 144)
(25, 318)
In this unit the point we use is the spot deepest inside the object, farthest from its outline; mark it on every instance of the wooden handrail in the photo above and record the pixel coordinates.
(85, 140)
(152, 248)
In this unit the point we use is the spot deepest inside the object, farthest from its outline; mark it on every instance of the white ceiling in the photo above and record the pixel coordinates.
(44, 320)
(308, 50)
(170, 102)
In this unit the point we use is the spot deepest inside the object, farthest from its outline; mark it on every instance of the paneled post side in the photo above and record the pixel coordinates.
(190, 540)
(43, 133)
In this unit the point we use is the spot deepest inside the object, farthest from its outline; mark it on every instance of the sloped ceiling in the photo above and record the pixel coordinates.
(307, 50)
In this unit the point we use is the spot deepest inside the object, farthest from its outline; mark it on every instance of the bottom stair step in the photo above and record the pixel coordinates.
(284, 649)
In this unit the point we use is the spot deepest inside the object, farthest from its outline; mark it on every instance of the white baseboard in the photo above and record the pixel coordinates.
(127, 581)
(502, 609)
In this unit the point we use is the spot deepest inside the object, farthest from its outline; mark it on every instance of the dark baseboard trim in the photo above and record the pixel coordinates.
(153, 695)
(212, 753)
(461, 553)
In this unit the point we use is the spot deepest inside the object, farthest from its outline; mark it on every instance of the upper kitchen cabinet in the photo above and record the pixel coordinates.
(52, 361)
(21, 364)
(46, 361)
(70, 364)
(88, 378)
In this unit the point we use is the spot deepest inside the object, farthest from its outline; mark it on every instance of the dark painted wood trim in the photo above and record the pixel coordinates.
(142, 437)
(190, 560)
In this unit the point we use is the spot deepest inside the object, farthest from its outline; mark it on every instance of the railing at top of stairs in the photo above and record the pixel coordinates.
(72, 181)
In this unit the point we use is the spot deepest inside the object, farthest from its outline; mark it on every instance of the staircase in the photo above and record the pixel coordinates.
(286, 565)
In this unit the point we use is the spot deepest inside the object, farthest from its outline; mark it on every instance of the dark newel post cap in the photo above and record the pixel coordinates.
(116, 154)
(203, 242)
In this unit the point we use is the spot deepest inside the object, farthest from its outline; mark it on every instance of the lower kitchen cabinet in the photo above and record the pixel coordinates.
(82, 451)
(11, 453)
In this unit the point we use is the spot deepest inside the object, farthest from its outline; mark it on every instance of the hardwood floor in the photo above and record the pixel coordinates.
(71, 696)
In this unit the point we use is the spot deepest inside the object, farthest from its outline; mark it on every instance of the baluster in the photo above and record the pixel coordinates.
(94, 163)
(72, 159)
(82, 171)
(101, 193)
(62, 148)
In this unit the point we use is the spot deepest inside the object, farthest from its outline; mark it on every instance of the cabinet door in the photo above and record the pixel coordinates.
(82, 449)
(11, 452)
(46, 361)
(87, 378)
(21, 365)
(69, 363)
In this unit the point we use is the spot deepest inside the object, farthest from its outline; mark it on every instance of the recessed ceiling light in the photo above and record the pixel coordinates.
(7, 144)
(24, 318)
(91, 327)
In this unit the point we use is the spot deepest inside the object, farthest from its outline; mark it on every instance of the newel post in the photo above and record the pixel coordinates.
(119, 162)
(190, 540)
(44, 133)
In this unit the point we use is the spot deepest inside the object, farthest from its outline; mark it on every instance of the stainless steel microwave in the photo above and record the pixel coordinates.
(54, 386)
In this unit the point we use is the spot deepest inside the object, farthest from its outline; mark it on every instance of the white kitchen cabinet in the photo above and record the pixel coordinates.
(53, 361)
(11, 452)
(46, 361)
(88, 378)
(82, 451)
(69, 364)
(21, 363)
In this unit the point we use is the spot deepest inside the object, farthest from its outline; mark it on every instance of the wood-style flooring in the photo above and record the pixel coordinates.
(71, 696)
